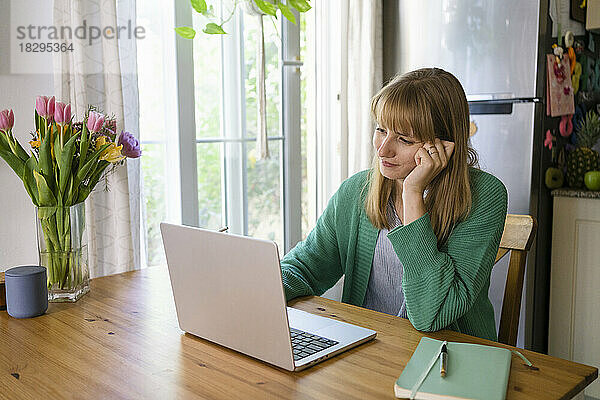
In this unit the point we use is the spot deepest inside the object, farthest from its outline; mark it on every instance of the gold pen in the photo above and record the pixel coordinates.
(443, 359)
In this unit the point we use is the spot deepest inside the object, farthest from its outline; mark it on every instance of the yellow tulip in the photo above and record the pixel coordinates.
(100, 141)
(112, 153)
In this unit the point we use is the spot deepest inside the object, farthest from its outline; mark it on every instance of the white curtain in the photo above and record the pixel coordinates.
(103, 74)
(347, 64)
(348, 68)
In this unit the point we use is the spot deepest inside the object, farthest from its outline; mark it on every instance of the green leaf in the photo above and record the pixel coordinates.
(300, 5)
(57, 148)
(41, 130)
(64, 163)
(46, 197)
(82, 173)
(38, 120)
(46, 212)
(287, 13)
(45, 165)
(94, 178)
(59, 197)
(185, 32)
(213, 29)
(199, 6)
(29, 180)
(13, 161)
(72, 192)
(21, 153)
(4, 142)
(67, 132)
(266, 7)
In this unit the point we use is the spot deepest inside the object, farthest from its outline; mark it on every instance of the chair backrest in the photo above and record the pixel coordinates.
(519, 231)
(2, 292)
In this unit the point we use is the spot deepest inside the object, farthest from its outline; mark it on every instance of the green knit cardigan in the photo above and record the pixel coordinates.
(444, 288)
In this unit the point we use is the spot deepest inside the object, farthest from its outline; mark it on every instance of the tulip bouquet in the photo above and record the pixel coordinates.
(66, 161)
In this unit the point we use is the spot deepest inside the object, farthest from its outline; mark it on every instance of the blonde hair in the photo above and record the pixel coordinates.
(431, 103)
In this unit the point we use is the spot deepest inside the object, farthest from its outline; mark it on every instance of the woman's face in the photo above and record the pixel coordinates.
(396, 152)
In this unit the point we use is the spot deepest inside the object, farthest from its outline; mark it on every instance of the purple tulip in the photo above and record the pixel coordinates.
(7, 120)
(131, 146)
(45, 106)
(62, 113)
(95, 121)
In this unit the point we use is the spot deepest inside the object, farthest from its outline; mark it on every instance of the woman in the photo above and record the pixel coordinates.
(417, 234)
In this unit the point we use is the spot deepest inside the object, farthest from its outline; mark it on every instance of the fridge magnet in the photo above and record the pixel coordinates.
(554, 178)
(590, 76)
(565, 127)
(472, 128)
(590, 42)
(554, 175)
(572, 59)
(579, 115)
(578, 10)
(578, 46)
(586, 69)
(575, 77)
(569, 41)
(549, 141)
(558, 53)
(560, 99)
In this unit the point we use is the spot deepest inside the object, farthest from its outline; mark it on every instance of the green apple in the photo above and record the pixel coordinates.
(554, 178)
(592, 180)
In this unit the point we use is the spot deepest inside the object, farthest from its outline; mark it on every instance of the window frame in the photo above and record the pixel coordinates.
(182, 153)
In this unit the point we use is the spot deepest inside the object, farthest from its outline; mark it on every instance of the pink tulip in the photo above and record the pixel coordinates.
(45, 106)
(7, 120)
(62, 113)
(548, 141)
(51, 107)
(95, 121)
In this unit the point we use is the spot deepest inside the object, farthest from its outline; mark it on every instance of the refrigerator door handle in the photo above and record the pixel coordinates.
(499, 106)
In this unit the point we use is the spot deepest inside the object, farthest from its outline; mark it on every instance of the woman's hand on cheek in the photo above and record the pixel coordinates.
(430, 160)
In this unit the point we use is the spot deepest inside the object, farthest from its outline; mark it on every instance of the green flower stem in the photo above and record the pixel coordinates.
(67, 243)
(65, 251)
(61, 237)
(50, 249)
(59, 228)
(62, 259)
(61, 248)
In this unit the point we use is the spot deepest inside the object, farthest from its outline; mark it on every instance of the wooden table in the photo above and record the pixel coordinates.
(122, 340)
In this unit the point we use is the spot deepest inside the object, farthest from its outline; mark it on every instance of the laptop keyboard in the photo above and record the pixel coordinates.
(304, 344)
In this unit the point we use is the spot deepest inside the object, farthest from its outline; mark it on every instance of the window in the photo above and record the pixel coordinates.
(198, 127)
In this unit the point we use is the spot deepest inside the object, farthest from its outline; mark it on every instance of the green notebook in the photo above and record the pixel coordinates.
(473, 372)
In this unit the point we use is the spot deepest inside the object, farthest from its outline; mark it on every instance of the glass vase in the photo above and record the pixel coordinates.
(63, 250)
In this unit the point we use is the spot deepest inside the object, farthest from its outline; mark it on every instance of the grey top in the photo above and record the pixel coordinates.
(384, 291)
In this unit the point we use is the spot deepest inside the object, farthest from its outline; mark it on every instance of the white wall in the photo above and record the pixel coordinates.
(18, 243)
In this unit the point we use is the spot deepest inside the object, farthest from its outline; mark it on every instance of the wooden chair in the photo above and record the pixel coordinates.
(2, 292)
(519, 231)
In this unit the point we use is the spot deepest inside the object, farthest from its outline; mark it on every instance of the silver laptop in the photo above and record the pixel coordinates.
(228, 290)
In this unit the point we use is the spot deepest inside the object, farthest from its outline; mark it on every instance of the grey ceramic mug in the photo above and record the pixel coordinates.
(26, 291)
